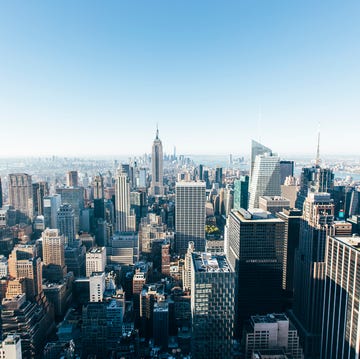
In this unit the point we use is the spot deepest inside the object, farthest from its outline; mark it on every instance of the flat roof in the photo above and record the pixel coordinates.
(253, 216)
(352, 241)
(210, 263)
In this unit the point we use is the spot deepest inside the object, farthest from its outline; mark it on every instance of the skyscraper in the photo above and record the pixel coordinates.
(20, 195)
(51, 206)
(157, 185)
(53, 247)
(341, 327)
(39, 191)
(1, 195)
(75, 197)
(286, 170)
(98, 187)
(265, 178)
(122, 201)
(72, 179)
(255, 250)
(241, 193)
(212, 306)
(190, 198)
(66, 223)
(309, 275)
(257, 149)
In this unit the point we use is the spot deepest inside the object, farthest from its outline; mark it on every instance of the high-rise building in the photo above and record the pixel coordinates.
(53, 247)
(309, 275)
(255, 249)
(265, 178)
(1, 195)
(122, 201)
(66, 223)
(212, 306)
(273, 204)
(157, 185)
(257, 149)
(72, 179)
(341, 326)
(190, 198)
(51, 206)
(219, 176)
(95, 260)
(292, 218)
(97, 286)
(161, 324)
(271, 331)
(20, 195)
(39, 191)
(286, 170)
(312, 180)
(75, 197)
(241, 193)
(11, 347)
(98, 187)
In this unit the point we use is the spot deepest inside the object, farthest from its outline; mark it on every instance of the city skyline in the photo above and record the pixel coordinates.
(213, 76)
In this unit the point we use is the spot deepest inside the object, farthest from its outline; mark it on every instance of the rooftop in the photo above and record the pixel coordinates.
(97, 250)
(210, 263)
(353, 241)
(269, 318)
(255, 215)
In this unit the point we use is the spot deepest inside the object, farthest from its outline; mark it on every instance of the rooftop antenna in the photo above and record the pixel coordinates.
(157, 130)
(259, 124)
(317, 161)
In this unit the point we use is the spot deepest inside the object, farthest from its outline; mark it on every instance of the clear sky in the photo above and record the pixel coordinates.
(94, 77)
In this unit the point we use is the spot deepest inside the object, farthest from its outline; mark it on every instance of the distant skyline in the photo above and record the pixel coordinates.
(90, 78)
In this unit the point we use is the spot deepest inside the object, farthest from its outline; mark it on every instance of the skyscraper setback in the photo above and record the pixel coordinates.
(157, 185)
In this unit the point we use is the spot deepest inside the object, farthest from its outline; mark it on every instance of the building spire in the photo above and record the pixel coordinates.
(317, 161)
(157, 131)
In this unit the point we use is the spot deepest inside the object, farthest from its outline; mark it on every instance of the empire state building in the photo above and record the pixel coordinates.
(157, 187)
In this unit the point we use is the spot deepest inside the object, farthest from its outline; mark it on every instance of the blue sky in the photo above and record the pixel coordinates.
(94, 77)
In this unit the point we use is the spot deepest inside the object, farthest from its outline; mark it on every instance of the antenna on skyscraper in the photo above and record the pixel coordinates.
(259, 124)
(157, 130)
(317, 161)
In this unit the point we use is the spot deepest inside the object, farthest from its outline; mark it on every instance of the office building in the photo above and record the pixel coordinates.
(66, 223)
(51, 207)
(265, 178)
(72, 179)
(53, 247)
(157, 185)
(289, 190)
(212, 306)
(97, 286)
(314, 179)
(1, 194)
(161, 324)
(273, 204)
(286, 170)
(190, 198)
(32, 321)
(257, 149)
(122, 201)
(11, 347)
(95, 260)
(255, 249)
(219, 176)
(341, 326)
(3, 266)
(75, 197)
(309, 275)
(98, 187)
(241, 193)
(292, 219)
(123, 248)
(20, 195)
(271, 331)
(39, 191)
